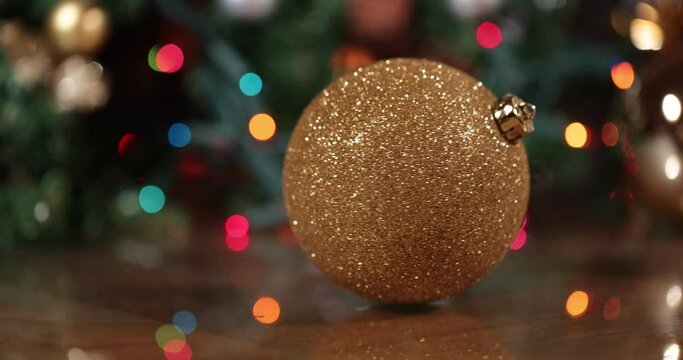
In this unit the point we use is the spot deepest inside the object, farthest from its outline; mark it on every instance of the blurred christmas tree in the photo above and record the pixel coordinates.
(196, 98)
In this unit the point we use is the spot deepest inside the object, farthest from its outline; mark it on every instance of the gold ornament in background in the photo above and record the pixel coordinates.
(399, 184)
(80, 85)
(78, 27)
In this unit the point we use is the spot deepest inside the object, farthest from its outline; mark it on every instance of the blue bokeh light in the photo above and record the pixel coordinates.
(179, 135)
(185, 321)
(251, 84)
(152, 199)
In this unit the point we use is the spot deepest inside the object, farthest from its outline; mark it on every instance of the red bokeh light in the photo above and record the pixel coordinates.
(125, 143)
(489, 35)
(236, 226)
(185, 353)
(237, 244)
(170, 58)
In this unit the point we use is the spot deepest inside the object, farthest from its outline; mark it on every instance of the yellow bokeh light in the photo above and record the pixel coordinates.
(266, 310)
(576, 135)
(671, 107)
(577, 303)
(66, 16)
(623, 75)
(262, 127)
(646, 34)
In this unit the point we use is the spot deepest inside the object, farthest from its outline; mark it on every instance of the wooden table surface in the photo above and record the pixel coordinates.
(104, 303)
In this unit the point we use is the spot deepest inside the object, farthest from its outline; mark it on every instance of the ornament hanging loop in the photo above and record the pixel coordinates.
(514, 117)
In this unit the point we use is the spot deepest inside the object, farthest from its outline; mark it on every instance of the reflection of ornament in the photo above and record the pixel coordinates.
(473, 8)
(248, 9)
(379, 19)
(80, 85)
(399, 184)
(28, 54)
(376, 334)
(78, 27)
(659, 177)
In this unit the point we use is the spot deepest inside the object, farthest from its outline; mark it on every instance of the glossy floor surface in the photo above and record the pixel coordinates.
(569, 299)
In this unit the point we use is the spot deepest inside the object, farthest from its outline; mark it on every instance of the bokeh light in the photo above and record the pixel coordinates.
(77, 354)
(174, 346)
(179, 135)
(576, 135)
(610, 134)
(167, 332)
(125, 143)
(671, 352)
(577, 303)
(152, 57)
(237, 244)
(262, 127)
(185, 321)
(251, 84)
(266, 310)
(170, 58)
(127, 202)
(489, 35)
(671, 107)
(236, 225)
(185, 353)
(673, 296)
(152, 199)
(623, 75)
(41, 212)
(672, 167)
(520, 240)
(611, 309)
(646, 34)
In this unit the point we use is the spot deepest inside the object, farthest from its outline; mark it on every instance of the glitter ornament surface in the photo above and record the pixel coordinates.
(399, 184)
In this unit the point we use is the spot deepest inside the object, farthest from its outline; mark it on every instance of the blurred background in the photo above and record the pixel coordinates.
(143, 121)
(156, 129)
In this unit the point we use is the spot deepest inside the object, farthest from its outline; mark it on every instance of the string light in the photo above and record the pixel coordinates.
(623, 75)
(169, 58)
(489, 35)
(671, 108)
(673, 296)
(576, 135)
(577, 303)
(179, 135)
(125, 143)
(152, 199)
(152, 58)
(262, 127)
(672, 167)
(611, 309)
(266, 310)
(646, 34)
(237, 244)
(167, 332)
(237, 225)
(185, 321)
(610, 134)
(250, 84)
(185, 353)
(41, 212)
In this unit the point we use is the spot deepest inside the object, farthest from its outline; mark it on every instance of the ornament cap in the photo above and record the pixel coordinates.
(514, 117)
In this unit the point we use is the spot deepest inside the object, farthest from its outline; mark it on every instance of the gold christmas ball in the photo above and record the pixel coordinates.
(78, 27)
(405, 181)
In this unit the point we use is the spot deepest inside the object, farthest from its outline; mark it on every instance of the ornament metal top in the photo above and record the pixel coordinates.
(405, 181)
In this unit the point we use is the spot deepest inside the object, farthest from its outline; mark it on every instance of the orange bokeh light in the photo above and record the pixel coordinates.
(262, 127)
(623, 75)
(266, 310)
(610, 134)
(577, 303)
